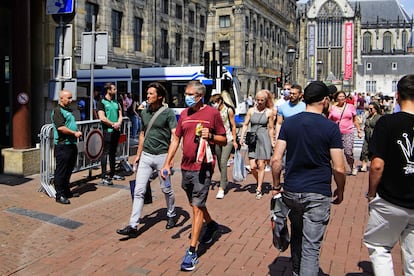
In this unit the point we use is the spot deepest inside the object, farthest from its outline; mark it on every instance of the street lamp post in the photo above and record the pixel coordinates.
(291, 54)
(319, 66)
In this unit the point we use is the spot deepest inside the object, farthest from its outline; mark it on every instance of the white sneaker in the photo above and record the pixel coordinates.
(354, 171)
(230, 162)
(268, 168)
(258, 194)
(220, 194)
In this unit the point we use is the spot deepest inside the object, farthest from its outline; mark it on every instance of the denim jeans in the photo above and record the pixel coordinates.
(147, 164)
(135, 126)
(309, 217)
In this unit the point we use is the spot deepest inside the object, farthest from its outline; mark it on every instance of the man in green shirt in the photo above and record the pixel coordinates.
(158, 123)
(66, 134)
(110, 114)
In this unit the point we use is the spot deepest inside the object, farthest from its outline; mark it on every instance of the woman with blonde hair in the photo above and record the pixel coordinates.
(261, 120)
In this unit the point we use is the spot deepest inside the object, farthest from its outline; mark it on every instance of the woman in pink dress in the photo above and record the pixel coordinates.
(344, 115)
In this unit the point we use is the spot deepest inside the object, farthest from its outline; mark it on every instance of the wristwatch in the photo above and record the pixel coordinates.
(370, 198)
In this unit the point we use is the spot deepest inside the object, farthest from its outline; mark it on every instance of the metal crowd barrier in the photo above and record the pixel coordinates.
(47, 159)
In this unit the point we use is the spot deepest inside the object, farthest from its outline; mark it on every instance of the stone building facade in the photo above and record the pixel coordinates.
(255, 37)
(356, 45)
(145, 33)
(386, 47)
(254, 34)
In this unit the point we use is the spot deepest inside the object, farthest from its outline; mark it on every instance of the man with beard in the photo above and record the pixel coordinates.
(294, 106)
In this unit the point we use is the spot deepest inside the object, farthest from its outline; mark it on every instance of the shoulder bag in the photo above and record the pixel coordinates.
(251, 136)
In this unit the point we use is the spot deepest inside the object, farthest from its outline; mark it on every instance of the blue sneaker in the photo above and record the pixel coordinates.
(189, 261)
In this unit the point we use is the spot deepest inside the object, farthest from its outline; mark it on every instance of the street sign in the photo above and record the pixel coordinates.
(65, 72)
(100, 50)
(56, 86)
(60, 6)
(66, 36)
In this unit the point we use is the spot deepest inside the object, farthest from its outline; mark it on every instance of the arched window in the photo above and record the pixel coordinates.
(387, 38)
(248, 87)
(366, 42)
(256, 85)
(404, 37)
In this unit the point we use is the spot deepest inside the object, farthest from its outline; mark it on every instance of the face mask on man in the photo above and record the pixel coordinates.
(190, 100)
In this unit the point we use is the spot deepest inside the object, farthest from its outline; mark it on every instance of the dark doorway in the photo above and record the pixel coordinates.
(5, 78)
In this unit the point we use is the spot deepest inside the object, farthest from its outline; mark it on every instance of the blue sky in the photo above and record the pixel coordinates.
(407, 4)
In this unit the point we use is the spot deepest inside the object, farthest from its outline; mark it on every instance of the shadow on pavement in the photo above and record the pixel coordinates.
(83, 188)
(12, 180)
(202, 247)
(251, 188)
(282, 266)
(366, 269)
(160, 215)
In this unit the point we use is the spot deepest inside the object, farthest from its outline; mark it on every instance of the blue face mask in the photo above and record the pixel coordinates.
(190, 100)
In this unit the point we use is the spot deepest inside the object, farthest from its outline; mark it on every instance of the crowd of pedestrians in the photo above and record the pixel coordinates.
(307, 137)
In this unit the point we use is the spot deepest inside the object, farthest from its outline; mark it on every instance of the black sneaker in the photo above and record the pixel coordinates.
(211, 229)
(170, 223)
(128, 231)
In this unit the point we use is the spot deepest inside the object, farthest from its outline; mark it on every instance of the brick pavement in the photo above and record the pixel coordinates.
(30, 246)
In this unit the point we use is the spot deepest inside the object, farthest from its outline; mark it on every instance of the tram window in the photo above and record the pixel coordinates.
(122, 87)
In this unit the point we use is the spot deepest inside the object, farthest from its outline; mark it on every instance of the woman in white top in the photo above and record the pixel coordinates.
(223, 152)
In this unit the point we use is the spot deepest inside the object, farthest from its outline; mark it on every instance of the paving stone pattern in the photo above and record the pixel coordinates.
(33, 246)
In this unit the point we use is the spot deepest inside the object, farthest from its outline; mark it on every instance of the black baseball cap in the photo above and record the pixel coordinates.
(315, 92)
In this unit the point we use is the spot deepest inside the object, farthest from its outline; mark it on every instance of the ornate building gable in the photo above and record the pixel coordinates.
(330, 8)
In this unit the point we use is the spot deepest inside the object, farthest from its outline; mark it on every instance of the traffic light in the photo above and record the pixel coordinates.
(279, 82)
(206, 64)
(214, 69)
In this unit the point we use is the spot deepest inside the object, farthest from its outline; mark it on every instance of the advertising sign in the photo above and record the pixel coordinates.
(348, 50)
(311, 52)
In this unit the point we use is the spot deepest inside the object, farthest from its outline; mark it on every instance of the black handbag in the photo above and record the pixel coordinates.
(251, 138)
(148, 192)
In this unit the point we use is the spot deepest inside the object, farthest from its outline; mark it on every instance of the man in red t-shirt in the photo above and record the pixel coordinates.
(197, 122)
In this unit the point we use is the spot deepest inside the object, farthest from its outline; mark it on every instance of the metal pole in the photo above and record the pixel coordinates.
(92, 67)
(214, 68)
(60, 55)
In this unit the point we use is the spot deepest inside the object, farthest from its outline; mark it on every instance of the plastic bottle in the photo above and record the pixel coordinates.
(167, 182)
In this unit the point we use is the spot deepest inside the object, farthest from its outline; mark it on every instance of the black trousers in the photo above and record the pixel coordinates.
(66, 156)
(110, 145)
